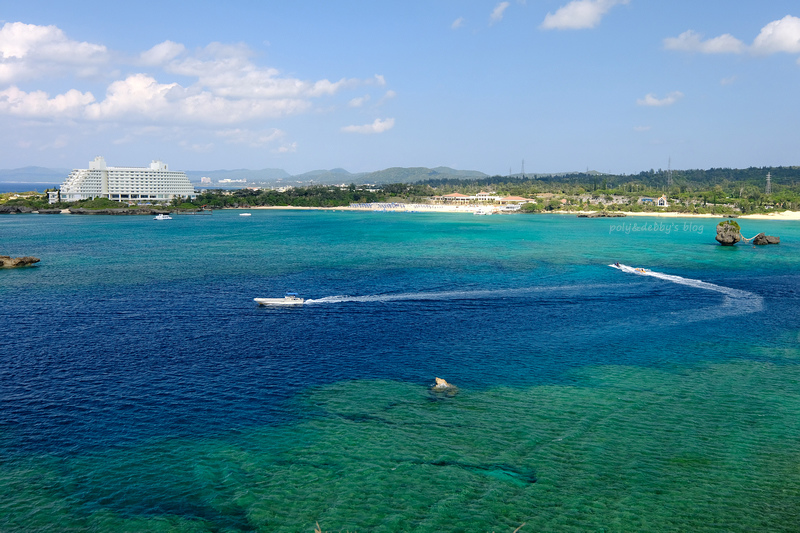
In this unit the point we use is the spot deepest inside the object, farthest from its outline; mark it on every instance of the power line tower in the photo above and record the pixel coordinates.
(523, 169)
(669, 174)
(768, 188)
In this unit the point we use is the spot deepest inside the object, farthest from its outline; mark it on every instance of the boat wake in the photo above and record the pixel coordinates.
(444, 295)
(735, 302)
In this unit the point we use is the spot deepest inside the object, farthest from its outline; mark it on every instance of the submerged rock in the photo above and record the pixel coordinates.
(762, 239)
(728, 233)
(16, 262)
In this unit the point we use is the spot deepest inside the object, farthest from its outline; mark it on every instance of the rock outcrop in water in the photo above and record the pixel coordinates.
(728, 233)
(442, 387)
(116, 211)
(16, 262)
(762, 239)
(601, 214)
(14, 209)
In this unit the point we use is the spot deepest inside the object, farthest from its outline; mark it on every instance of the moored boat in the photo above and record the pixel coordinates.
(162, 216)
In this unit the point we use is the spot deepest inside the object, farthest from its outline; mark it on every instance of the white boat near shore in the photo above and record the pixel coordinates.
(244, 214)
(290, 299)
(162, 216)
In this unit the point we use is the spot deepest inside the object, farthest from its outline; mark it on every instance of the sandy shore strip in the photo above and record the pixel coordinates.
(423, 208)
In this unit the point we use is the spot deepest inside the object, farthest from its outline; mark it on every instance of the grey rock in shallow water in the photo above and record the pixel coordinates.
(728, 233)
(14, 209)
(602, 214)
(762, 239)
(16, 262)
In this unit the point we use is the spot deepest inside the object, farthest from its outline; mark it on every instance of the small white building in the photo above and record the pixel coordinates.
(662, 202)
(155, 183)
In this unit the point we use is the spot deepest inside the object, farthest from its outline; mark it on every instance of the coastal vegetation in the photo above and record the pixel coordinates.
(713, 191)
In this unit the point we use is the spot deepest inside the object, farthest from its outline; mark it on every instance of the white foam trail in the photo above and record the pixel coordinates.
(736, 301)
(444, 295)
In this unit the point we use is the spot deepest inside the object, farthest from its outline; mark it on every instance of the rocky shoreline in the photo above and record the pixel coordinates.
(7, 261)
(602, 214)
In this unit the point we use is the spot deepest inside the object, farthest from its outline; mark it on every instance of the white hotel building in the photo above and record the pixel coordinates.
(155, 183)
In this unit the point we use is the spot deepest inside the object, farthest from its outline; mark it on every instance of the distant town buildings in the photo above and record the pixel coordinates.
(155, 183)
(480, 198)
(205, 181)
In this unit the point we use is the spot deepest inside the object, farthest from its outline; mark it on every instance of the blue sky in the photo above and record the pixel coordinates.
(610, 85)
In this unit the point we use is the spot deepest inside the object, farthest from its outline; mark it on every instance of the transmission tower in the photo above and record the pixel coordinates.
(768, 188)
(523, 169)
(669, 174)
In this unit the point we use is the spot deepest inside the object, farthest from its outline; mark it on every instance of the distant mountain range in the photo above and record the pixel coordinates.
(48, 176)
(268, 175)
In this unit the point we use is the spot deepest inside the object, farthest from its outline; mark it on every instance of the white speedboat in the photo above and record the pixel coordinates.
(244, 214)
(162, 216)
(291, 298)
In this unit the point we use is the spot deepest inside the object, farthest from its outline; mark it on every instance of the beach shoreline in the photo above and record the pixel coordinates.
(783, 215)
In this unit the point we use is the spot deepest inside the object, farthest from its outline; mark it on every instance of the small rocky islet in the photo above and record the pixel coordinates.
(729, 233)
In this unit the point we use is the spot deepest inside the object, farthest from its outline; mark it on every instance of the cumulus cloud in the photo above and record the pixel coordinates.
(251, 138)
(779, 36)
(579, 14)
(286, 148)
(459, 22)
(28, 51)
(691, 41)
(225, 84)
(497, 14)
(161, 53)
(358, 101)
(378, 126)
(653, 101)
(38, 104)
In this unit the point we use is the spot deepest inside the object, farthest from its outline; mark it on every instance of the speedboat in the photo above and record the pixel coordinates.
(291, 298)
(244, 214)
(162, 216)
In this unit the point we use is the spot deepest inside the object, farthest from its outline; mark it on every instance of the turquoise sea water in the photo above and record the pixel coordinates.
(143, 390)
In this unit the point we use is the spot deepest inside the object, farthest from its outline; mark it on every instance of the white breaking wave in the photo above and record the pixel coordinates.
(736, 301)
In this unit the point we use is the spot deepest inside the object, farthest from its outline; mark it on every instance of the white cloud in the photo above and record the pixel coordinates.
(779, 36)
(286, 148)
(161, 53)
(459, 22)
(358, 101)
(251, 138)
(728, 80)
(641, 128)
(378, 126)
(691, 41)
(28, 51)
(653, 101)
(579, 14)
(497, 14)
(38, 104)
(141, 97)
(225, 85)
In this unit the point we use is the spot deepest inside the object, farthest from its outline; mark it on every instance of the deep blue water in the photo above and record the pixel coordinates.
(133, 331)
